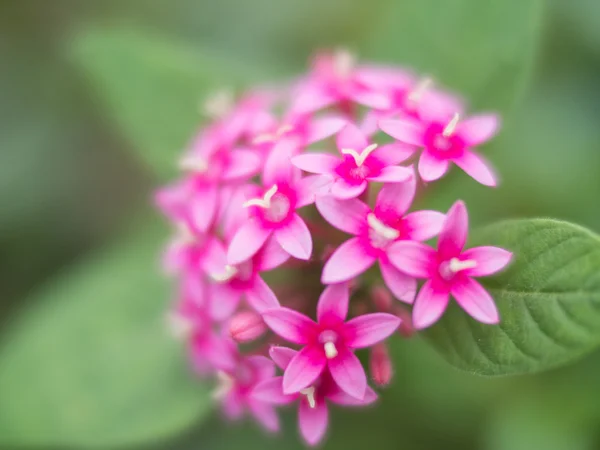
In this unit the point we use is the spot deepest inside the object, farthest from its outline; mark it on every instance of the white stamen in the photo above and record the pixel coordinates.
(416, 94)
(224, 385)
(264, 202)
(382, 229)
(456, 265)
(226, 275)
(272, 137)
(284, 129)
(219, 104)
(180, 327)
(359, 159)
(309, 392)
(330, 350)
(193, 163)
(344, 61)
(451, 125)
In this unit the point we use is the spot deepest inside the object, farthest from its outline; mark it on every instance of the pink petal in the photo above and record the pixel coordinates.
(424, 225)
(351, 138)
(278, 168)
(243, 164)
(438, 106)
(429, 305)
(347, 262)
(203, 206)
(339, 397)
(454, 232)
(263, 366)
(324, 127)
(407, 131)
(394, 154)
(303, 369)
(295, 238)
(290, 324)
(432, 168)
(215, 258)
(475, 300)
(489, 260)
(311, 187)
(369, 329)
(393, 174)
(477, 168)
(270, 256)
(320, 163)
(265, 414)
(404, 287)
(376, 100)
(281, 356)
(271, 391)
(214, 349)
(478, 129)
(310, 99)
(343, 190)
(412, 258)
(397, 197)
(247, 242)
(313, 421)
(223, 300)
(333, 303)
(260, 296)
(346, 215)
(348, 373)
(233, 407)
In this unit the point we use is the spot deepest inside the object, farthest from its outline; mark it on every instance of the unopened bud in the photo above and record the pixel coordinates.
(381, 298)
(246, 326)
(406, 328)
(380, 365)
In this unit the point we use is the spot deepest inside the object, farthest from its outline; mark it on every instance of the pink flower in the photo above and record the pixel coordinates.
(313, 414)
(273, 211)
(449, 270)
(447, 139)
(330, 342)
(235, 387)
(360, 163)
(374, 233)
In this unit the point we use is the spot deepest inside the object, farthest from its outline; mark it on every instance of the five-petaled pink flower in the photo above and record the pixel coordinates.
(348, 177)
(449, 270)
(446, 139)
(329, 342)
(374, 233)
(313, 414)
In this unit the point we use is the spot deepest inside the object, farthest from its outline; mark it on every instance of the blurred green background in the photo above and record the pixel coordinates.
(97, 98)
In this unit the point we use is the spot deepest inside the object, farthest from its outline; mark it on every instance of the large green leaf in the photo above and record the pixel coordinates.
(549, 302)
(153, 87)
(483, 48)
(91, 363)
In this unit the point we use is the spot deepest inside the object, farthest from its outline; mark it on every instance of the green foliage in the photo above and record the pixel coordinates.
(91, 362)
(549, 302)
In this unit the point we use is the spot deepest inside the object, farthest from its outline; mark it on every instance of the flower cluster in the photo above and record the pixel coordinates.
(298, 194)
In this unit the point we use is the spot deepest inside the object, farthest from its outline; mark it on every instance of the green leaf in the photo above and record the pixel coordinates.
(549, 302)
(152, 88)
(91, 363)
(483, 48)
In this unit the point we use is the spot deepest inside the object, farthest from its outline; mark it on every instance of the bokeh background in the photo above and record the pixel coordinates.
(96, 100)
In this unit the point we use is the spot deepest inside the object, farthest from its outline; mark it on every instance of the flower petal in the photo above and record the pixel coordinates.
(223, 300)
(303, 369)
(289, 324)
(367, 97)
(233, 407)
(247, 241)
(393, 174)
(242, 164)
(263, 366)
(333, 303)
(270, 256)
(429, 305)
(393, 154)
(477, 168)
(271, 391)
(348, 373)
(346, 215)
(369, 329)
(407, 131)
(351, 137)
(432, 168)
(424, 225)
(203, 207)
(412, 258)
(265, 414)
(396, 197)
(320, 163)
(324, 127)
(278, 168)
(478, 129)
(489, 260)
(295, 238)
(475, 300)
(281, 356)
(310, 188)
(343, 190)
(404, 287)
(347, 262)
(260, 296)
(310, 98)
(339, 397)
(313, 421)
(454, 232)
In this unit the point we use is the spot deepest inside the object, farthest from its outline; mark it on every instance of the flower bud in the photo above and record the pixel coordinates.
(381, 298)
(246, 326)
(380, 365)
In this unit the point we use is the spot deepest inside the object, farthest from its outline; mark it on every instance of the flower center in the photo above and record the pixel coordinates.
(309, 393)
(450, 268)
(328, 339)
(359, 158)
(228, 273)
(380, 234)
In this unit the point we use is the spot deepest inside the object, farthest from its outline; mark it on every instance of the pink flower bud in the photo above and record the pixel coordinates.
(381, 298)
(246, 326)
(380, 365)
(406, 328)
